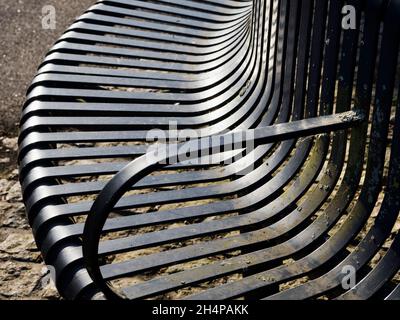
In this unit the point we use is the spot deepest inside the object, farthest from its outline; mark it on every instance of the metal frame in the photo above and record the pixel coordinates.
(279, 71)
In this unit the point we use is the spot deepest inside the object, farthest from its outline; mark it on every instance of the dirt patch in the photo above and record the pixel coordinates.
(22, 272)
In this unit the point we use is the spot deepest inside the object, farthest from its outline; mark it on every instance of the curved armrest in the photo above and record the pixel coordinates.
(157, 158)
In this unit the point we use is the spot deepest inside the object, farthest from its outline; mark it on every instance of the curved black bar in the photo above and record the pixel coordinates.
(141, 167)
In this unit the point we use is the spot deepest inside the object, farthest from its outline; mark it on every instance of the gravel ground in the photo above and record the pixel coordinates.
(23, 44)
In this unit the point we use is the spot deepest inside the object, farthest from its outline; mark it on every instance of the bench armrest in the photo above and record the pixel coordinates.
(155, 159)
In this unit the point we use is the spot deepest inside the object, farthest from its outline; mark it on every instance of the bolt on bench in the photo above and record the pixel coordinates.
(278, 172)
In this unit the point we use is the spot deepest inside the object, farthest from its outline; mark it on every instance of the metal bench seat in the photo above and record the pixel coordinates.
(279, 164)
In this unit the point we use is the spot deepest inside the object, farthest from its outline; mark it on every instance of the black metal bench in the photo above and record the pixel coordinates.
(287, 211)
